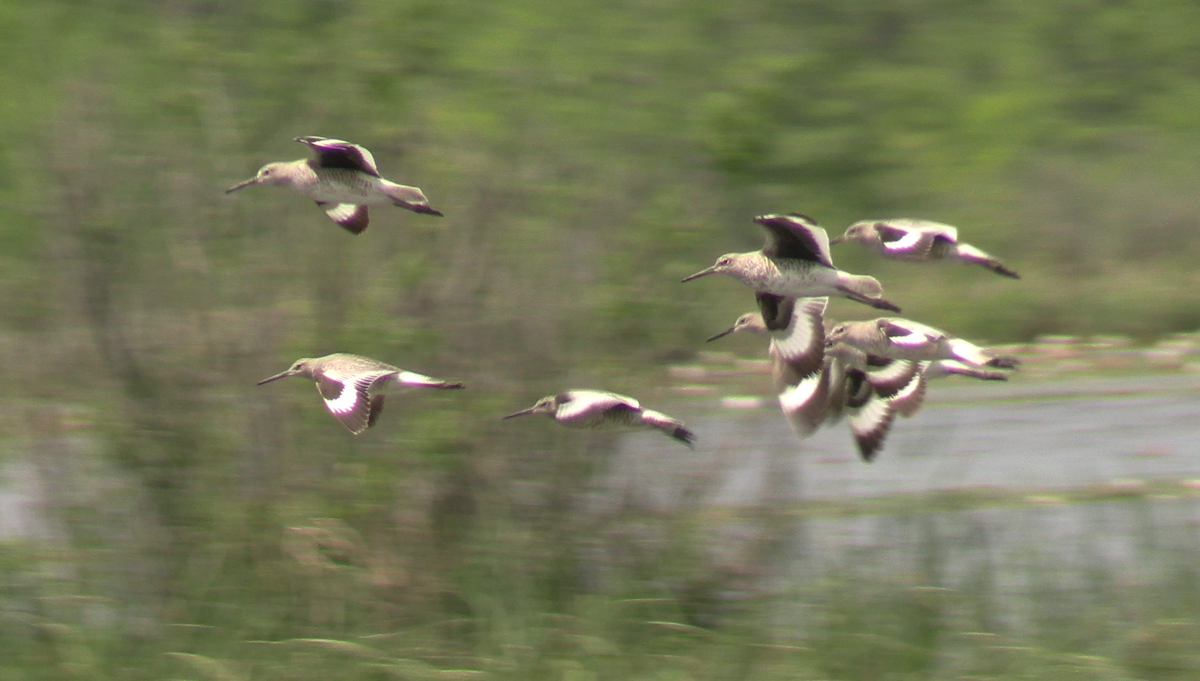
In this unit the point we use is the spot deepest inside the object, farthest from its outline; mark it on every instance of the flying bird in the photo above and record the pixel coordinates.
(353, 386)
(868, 390)
(911, 402)
(598, 409)
(342, 178)
(919, 240)
(795, 263)
(905, 339)
(797, 350)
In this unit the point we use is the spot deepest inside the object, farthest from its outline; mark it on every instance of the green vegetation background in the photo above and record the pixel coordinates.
(587, 155)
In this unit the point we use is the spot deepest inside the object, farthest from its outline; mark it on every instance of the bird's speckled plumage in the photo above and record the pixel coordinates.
(795, 263)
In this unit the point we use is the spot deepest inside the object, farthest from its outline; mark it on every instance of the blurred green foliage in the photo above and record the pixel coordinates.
(587, 156)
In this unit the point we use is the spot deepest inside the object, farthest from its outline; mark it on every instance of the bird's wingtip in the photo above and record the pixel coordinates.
(425, 209)
(685, 436)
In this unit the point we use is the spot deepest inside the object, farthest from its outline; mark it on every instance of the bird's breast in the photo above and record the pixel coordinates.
(338, 185)
(796, 278)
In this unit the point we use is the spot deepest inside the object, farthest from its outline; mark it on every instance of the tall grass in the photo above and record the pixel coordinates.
(504, 568)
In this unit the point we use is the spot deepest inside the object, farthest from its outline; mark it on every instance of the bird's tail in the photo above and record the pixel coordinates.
(1003, 362)
(971, 254)
(864, 289)
(411, 198)
(976, 356)
(948, 367)
(999, 268)
(670, 426)
(409, 378)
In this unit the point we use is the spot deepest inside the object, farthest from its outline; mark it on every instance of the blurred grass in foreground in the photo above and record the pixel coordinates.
(531, 591)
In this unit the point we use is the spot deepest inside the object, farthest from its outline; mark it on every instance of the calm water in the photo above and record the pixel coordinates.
(968, 435)
(1041, 437)
(1028, 436)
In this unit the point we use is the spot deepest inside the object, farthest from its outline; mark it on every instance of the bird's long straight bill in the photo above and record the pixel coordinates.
(523, 412)
(239, 185)
(724, 333)
(701, 273)
(837, 239)
(276, 377)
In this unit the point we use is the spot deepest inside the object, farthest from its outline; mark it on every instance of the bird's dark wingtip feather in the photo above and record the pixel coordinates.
(685, 436)
(425, 209)
(868, 447)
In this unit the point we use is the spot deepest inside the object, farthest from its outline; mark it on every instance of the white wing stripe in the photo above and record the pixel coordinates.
(892, 372)
(342, 212)
(873, 418)
(913, 340)
(796, 340)
(799, 396)
(821, 237)
(346, 401)
(584, 403)
(907, 242)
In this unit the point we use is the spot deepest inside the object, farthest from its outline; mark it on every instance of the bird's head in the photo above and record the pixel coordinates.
(723, 264)
(301, 367)
(836, 334)
(272, 173)
(859, 231)
(751, 321)
(546, 405)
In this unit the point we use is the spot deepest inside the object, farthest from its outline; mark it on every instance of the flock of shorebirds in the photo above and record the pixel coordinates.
(864, 371)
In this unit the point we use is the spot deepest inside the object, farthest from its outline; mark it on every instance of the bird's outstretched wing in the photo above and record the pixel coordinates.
(331, 153)
(795, 236)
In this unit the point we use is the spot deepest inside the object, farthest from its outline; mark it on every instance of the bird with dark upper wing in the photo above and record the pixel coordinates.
(342, 178)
